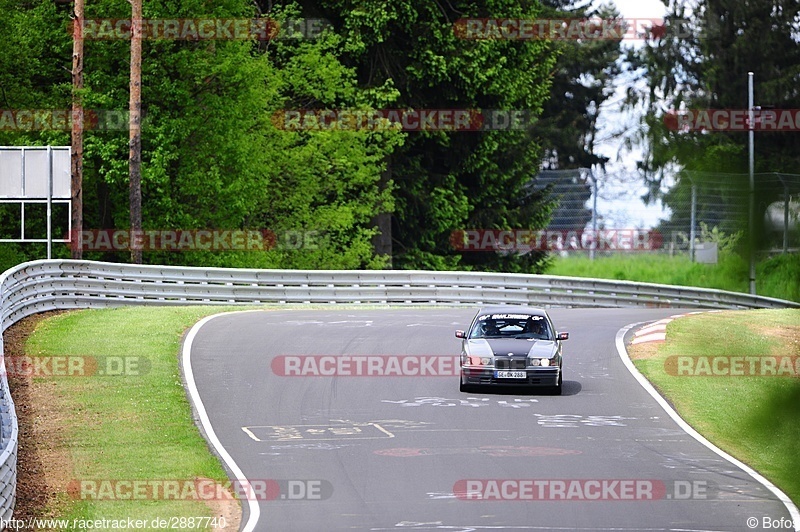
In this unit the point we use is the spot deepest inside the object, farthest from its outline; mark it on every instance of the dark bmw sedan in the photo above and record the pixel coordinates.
(511, 346)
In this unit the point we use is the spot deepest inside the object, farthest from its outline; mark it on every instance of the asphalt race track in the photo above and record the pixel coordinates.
(413, 453)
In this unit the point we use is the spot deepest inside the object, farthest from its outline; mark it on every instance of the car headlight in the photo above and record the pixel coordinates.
(478, 361)
(540, 362)
(545, 362)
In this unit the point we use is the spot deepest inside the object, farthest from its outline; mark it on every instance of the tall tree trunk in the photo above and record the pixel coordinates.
(135, 142)
(76, 163)
(382, 241)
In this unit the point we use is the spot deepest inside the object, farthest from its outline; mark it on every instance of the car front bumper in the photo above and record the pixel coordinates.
(542, 376)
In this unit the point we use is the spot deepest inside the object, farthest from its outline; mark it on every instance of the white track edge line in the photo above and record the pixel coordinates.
(254, 510)
(623, 354)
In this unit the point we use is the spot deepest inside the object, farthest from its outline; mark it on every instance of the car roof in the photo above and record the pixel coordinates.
(512, 309)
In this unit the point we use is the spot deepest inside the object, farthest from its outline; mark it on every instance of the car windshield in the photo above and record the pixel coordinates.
(523, 326)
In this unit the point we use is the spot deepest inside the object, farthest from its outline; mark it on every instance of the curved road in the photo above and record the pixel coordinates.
(388, 452)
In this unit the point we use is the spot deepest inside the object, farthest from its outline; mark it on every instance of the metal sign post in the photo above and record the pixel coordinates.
(751, 225)
(50, 202)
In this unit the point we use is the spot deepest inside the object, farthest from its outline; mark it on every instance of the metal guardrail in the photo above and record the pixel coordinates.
(45, 285)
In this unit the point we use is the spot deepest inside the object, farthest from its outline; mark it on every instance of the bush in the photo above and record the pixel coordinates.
(10, 256)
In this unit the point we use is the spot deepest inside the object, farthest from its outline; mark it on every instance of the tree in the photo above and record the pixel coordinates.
(212, 157)
(135, 128)
(701, 61)
(581, 85)
(449, 181)
(76, 164)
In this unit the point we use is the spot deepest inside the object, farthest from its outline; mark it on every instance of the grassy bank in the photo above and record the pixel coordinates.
(754, 418)
(776, 277)
(128, 427)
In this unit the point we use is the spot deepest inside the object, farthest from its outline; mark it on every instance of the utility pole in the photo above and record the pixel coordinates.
(751, 213)
(135, 126)
(76, 162)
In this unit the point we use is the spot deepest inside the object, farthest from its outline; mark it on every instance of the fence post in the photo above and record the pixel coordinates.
(594, 212)
(692, 222)
(785, 215)
(50, 202)
(752, 197)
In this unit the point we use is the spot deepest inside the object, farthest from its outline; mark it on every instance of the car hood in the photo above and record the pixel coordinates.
(503, 347)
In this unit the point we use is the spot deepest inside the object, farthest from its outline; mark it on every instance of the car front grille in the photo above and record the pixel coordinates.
(531, 380)
(510, 363)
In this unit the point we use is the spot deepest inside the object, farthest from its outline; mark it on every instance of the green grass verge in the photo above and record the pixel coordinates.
(754, 418)
(128, 427)
(776, 277)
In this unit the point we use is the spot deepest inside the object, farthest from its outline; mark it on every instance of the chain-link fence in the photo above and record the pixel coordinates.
(605, 213)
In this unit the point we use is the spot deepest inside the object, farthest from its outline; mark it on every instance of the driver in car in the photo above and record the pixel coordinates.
(535, 327)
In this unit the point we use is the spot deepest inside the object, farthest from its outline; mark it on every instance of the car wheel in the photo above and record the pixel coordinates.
(557, 389)
(462, 387)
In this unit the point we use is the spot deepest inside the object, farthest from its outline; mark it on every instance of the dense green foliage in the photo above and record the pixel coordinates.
(446, 182)
(701, 61)
(213, 158)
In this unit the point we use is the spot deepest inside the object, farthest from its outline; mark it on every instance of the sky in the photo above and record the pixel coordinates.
(638, 8)
(619, 202)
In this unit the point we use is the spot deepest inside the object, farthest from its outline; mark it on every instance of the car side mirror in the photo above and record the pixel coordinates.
(461, 334)
(563, 336)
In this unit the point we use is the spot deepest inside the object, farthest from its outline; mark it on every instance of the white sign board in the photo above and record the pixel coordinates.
(706, 252)
(25, 172)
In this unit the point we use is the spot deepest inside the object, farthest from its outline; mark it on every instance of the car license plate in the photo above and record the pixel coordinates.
(510, 375)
